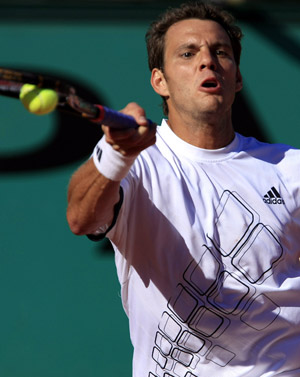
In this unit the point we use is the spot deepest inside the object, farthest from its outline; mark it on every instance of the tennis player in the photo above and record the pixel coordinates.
(205, 222)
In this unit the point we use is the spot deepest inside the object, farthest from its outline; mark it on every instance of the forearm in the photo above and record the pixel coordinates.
(91, 199)
(94, 188)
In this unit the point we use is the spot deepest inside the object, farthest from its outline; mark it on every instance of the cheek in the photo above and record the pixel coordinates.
(232, 81)
(177, 87)
(180, 72)
(181, 91)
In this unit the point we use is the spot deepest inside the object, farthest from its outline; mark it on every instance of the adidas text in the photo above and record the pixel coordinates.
(274, 201)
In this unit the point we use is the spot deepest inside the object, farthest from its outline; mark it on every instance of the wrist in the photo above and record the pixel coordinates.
(111, 163)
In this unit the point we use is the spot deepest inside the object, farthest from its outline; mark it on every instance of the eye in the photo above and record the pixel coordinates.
(187, 54)
(221, 53)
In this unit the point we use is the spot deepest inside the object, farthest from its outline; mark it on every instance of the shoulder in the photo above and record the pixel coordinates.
(282, 159)
(275, 153)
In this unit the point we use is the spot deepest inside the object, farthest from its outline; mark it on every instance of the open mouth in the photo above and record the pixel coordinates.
(209, 84)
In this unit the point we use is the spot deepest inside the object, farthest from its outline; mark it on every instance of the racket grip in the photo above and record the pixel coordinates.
(115, 119)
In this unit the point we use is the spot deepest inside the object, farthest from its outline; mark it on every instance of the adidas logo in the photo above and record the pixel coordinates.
(273, 197)
(98, 152)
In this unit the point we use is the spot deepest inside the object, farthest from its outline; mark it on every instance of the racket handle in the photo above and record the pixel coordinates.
(115, 119)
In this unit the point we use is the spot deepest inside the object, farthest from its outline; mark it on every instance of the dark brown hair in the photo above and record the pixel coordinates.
(155, 36)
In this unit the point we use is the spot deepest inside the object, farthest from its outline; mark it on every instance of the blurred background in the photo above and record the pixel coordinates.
(61, 313)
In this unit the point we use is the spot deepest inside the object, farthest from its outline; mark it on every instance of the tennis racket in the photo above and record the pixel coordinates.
(11, 82)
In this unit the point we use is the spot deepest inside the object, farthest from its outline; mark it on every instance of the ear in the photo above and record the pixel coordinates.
(159, 83)
(239, 80)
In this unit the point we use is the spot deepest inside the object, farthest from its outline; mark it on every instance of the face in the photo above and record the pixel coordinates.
(200, 76)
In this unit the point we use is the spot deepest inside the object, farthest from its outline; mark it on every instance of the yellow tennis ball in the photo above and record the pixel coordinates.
(38, 101)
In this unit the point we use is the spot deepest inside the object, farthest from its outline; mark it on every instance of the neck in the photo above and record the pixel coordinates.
(206, 133)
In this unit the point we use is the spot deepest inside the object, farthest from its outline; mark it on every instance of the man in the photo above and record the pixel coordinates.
(205, 223)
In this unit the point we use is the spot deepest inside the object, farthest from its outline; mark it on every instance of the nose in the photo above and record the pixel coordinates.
(207, 61)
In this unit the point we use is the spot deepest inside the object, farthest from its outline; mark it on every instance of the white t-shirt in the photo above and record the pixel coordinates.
(207, 247)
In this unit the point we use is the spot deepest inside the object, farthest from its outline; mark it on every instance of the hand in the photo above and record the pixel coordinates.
(130, 142)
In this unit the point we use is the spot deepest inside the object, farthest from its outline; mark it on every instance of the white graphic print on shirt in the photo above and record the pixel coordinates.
(201, 309)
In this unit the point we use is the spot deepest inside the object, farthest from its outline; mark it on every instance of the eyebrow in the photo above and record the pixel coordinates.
(195, 46)
(223, 44)
(188, 46)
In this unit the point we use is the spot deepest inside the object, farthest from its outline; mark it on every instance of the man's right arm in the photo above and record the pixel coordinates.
(91, 194)
(91, 199)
